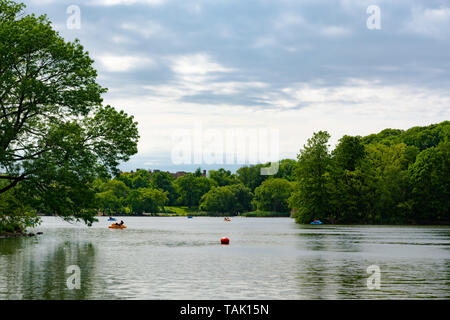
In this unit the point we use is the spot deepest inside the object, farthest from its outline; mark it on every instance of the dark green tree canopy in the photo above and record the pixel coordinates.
(273, 195)
(55, 135)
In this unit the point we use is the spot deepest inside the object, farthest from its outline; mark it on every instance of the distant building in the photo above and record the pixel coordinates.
(178, 174)
(183, 173)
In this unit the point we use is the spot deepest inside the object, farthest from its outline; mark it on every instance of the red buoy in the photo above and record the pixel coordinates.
(225, 240)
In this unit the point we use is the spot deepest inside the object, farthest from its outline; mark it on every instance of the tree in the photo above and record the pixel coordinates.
(218, 200)
(55, 135)
(141, 179)
(347, 186)
(147, 200)
(312, 198)
(111, 196)
(387, 169)
(242, 197)
(286, 169)
(166, 182)
(430, 178)
(349, 153)
(127, 178)
(273, 195)
(109, 203)
(16, 211)
(198, 172)
(251, 176)
(222, 177)
(227, 199)
(191, 188)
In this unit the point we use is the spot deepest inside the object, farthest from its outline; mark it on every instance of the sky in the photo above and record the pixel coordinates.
(219, 83)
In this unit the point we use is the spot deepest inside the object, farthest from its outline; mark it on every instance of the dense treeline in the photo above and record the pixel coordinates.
(391, 177)
(222, 192)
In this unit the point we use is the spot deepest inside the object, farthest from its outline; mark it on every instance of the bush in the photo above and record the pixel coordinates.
(15, 215)
(266, 214)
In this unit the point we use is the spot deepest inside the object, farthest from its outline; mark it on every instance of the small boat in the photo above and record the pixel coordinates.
(316, 222)
(115, 226)
(189, 217)
(112, 219)
(227, 219)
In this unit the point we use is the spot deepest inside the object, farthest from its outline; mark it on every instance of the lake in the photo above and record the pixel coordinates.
(268, 258)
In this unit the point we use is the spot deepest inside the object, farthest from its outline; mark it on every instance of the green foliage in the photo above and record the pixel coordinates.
(111, 196)
(419, 137)
(349, 152)
(198, 172)
(182, 210)
(165, 182)
(218, 200)
(228, 199)
(273, 195)
(391, 177)
(16, 213)
(191, 188)
(266, 214)
(311, 197)
(286, 169)
(223, 177)
(147, 200)
(141, 179)
(430, 177)
(56, 138)
(251, 176)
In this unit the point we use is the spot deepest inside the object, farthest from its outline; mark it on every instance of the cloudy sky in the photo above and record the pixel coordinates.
(287, 66)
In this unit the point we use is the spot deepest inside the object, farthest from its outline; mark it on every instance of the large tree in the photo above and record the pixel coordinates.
(223, 177)
(166, 182)
(229, 199)
(430, 177)
(55, 135)
(312, 199)
(273, 195)
(191, 188)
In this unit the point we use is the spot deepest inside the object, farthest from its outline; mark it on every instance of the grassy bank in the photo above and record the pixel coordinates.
(266, 214)
(194, 211)
(182, 211)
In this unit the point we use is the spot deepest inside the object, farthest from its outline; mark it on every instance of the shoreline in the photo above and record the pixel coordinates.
(361, 223)
(9, 235)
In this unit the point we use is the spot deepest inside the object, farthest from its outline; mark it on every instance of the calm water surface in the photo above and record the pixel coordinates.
(180, 258)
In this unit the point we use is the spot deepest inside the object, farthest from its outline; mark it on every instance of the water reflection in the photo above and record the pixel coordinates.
(28, 272)
(178, 258)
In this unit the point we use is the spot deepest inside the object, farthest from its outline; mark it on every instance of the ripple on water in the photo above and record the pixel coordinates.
(179, 258)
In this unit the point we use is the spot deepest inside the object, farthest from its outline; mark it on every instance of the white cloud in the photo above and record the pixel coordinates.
(126, 2)
(335, 31)
(199, 73)
(147, 30)
(357, 107)
(360, 97)
(122, 40)
(429, 22)
(113, 63)
(197, 64)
